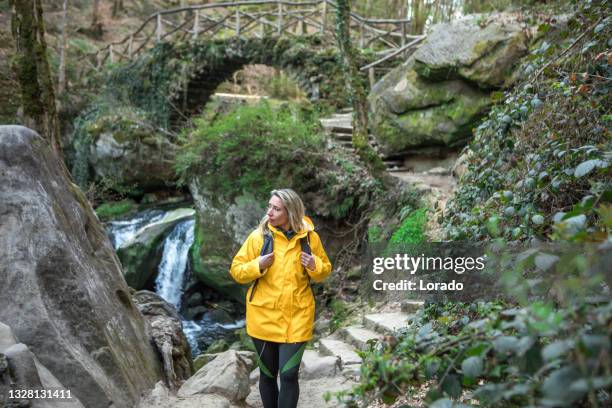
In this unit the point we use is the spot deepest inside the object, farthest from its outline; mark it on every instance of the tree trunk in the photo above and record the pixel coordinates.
(33, 73)
(95, 14)
(117, 7)
(356, 89)
(61, 82)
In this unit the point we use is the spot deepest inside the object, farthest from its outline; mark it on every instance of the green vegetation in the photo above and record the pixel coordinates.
(254, 148)
(412, 229)
(109, 211)
(539, 161)
(538, 355)
(538, 169)
(340, 312)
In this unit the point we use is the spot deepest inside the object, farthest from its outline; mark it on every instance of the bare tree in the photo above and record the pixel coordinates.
(354, 84)
(61, 83)
(95, 13)
(117, 7)
(33, 72)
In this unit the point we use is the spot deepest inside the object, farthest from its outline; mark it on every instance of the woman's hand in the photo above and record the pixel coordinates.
(308, 261)
(265, 261)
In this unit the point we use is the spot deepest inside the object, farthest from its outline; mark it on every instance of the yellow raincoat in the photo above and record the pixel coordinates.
(282, 308)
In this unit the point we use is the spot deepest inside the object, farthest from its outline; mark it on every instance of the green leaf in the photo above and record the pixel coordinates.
(451, 385)
(505, 344)
(545, 261)
(442, 403)
(557, 386)
(472, 367)
(585, 384)
(556, 349)
(586, 167)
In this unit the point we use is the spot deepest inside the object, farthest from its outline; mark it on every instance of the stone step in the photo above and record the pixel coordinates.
(386, 323)
(393, 162)
(412, 306)
(314, 365)
(358, 336)
(346, 110)
(339, 349)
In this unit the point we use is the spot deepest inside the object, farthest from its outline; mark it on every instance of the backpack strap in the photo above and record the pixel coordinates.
(266, 248)
(305, 244)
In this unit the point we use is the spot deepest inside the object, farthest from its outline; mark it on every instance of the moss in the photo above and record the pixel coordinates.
(140, 262)
(412, 230)
(108, 211)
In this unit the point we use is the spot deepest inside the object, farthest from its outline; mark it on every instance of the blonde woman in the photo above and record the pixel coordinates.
(279, 259)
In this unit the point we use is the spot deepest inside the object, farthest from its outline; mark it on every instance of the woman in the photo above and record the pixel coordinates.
(280, 258)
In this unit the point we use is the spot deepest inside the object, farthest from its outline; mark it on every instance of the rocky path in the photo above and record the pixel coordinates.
(333, 365)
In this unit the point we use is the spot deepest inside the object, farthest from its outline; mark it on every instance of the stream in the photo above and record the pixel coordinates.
(173, 274)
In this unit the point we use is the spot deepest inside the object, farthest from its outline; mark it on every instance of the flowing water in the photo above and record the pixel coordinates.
(173, 265)
(173, 273)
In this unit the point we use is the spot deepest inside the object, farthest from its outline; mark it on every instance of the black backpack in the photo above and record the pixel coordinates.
(268, 248)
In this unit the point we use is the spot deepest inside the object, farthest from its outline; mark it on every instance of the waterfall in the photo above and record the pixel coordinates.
(172, 269)
(171, 276)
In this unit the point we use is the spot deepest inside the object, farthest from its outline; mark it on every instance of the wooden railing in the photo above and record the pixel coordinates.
(259, 18)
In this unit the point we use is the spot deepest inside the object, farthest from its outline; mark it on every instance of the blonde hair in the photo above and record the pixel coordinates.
(293, 205)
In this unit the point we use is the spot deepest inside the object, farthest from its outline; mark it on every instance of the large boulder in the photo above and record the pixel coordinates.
(226, 375)
(409, 112)
(21, 370)
(480, 50)
(61, 286)
(220, 230)
(442, 91)
(145, 161)
(120, 145)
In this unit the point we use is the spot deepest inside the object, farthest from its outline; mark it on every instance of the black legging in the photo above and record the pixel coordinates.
(271, 356)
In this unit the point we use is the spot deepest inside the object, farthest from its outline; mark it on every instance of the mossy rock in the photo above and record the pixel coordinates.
(107, 211)
(409, 112)
(481, 50)
(217, 346)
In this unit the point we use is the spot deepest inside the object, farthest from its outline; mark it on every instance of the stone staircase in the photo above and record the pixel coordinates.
(343, 344)
(339, 128)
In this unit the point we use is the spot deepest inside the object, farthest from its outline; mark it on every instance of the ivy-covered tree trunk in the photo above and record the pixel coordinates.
(356, 90)
(33, 72)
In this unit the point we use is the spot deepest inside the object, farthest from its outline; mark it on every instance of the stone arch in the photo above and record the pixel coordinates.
(173, 81)
(216, 60)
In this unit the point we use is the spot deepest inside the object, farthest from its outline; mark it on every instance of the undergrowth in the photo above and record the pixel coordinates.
(538, 169)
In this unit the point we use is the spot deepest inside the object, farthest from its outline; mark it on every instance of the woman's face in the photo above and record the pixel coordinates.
(277, 214)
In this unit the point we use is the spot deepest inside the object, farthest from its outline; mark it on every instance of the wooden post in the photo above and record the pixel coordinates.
(130, 46)
(371, 77)
(158, 28)
(262, 29)
(196, 24)
(111, 55)
(361, 35)
(98, 60)
(403, 27)
(279, 23)
(237, 22)
(323, 16)
(303, 27)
